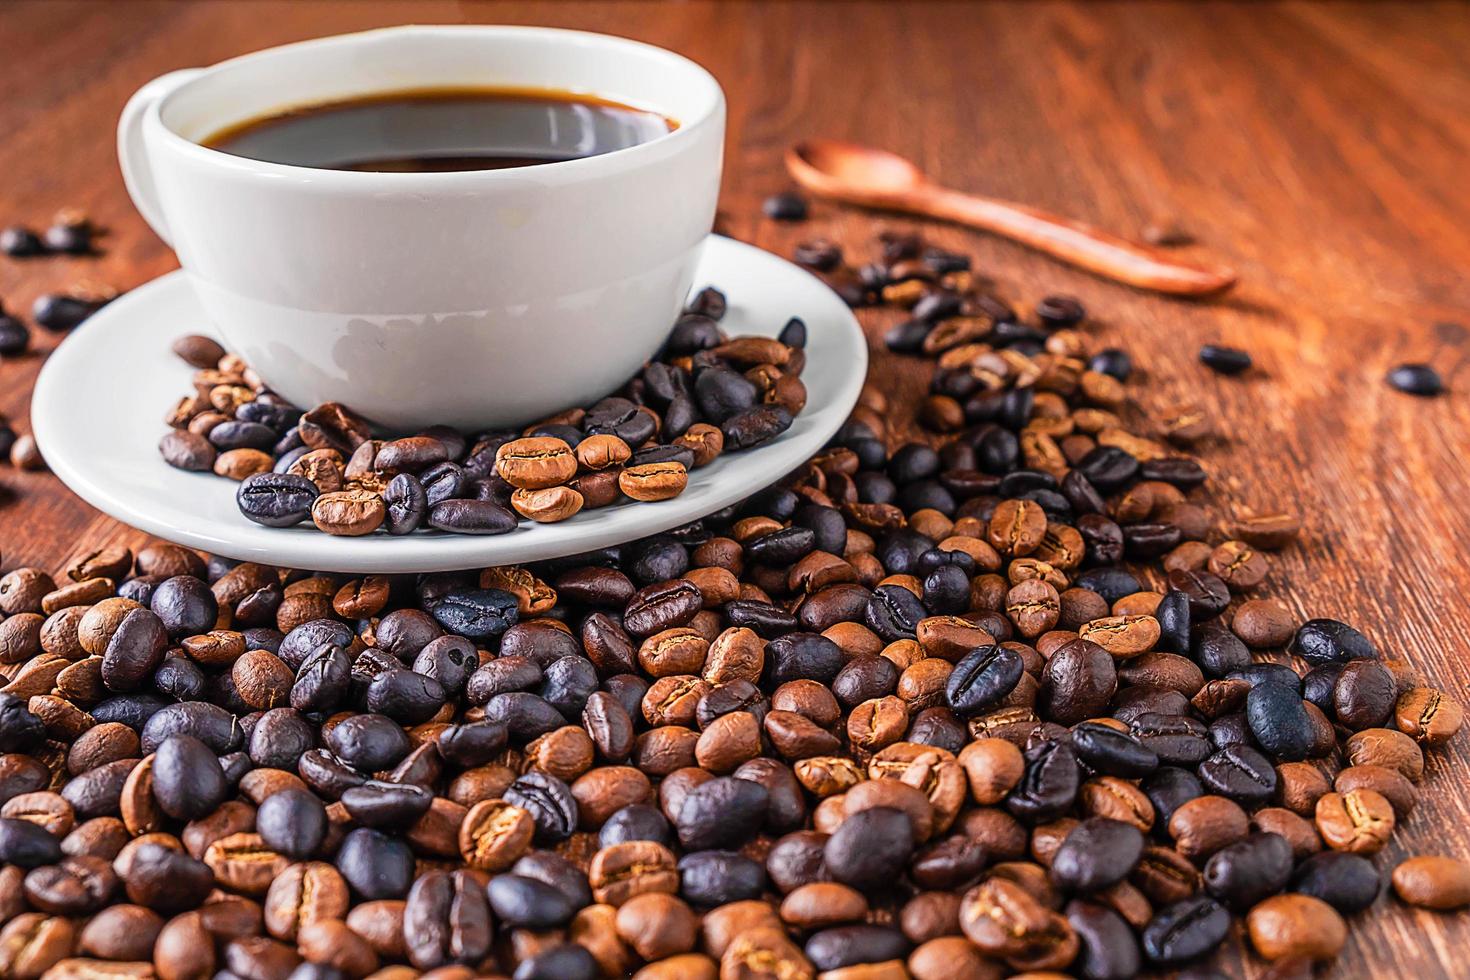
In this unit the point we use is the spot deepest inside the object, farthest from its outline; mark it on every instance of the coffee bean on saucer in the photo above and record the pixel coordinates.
(276, 499)
(1224, 360)
(1416, 379)
(349, 512)
(198, 351)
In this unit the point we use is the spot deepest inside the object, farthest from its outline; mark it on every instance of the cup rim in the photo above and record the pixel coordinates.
(365, 179)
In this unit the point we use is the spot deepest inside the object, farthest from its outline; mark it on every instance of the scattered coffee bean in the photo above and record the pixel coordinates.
(786, 206)
(1416, 379)
(1224, 360)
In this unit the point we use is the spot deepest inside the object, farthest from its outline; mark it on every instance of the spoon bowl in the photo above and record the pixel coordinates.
(857, 167)
(874, 178)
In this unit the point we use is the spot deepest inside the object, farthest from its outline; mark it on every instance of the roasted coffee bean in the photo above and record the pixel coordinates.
(375, 865)
(869, 848)
(1105, 749)
(1241, 773)
(1096, 854)
(1185, 930)
(1050, 783)
(1249, 870)
(1319, 641)
(1416, 379)
(1278, 720)
(276, 499)
(1433, 882)
(528, 903)
(982, 679)
(550, 803)
(1296, 926)
(292, 822)
(1347, 882)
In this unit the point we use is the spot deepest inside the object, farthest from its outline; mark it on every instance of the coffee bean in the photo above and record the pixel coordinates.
(1416, 379)
(1347, 882)
(1096, 854)
(1185, 930)
(1296, 926)
(1241, 773)
(275, 499)
(1320, 641)
(982, 678)
(785, 206)
(1433, 882)
(1224, 360)
(1245, 872)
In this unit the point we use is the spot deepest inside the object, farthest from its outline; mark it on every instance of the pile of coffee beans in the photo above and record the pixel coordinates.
(953, 713)
(705, 394)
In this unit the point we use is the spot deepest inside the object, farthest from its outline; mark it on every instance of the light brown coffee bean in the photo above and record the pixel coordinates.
(1294, 925)
(1359, 821)
(494, 835)
(535, 463)
(949, 638)
(1299, 832)
(1389, 748)
(598, 452)
(303, 894)
(237, 464)
(1122, 636)
(332, 943)
(728, 741)
(1034, 607)
(1263, 623)
(1117, 799)
(680, 650)
(1203, 825)
(656, 925)
(653, 481)
(380, 922)
(1268, 531)
(1299, 785)
(349, 513)
(1428, 715)
(1016, 527)
(1391, 784)
(243, 863)
(823, 903)
(565, 753)
(548, 505)
(1238, 565)
(621, 871)
(992, 767)
(765, 953)
(1433, 882)
(705, 441)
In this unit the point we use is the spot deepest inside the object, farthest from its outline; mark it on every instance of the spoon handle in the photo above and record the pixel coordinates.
(1074, 242)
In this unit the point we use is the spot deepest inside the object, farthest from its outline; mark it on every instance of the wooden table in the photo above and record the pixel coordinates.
(1321, 150)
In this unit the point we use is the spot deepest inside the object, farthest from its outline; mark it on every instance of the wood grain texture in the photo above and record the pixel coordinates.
(1321, 151)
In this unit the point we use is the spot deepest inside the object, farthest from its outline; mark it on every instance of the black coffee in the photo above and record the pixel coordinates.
(443, 130)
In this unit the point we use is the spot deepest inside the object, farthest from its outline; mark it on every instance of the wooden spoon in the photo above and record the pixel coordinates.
(878, 179)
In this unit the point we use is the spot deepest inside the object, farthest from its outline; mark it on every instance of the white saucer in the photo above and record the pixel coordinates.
(119, 365)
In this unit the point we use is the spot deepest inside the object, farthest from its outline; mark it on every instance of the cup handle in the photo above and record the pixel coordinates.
(132, 154)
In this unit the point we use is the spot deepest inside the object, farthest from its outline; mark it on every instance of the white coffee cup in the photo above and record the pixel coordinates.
(475, 299)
